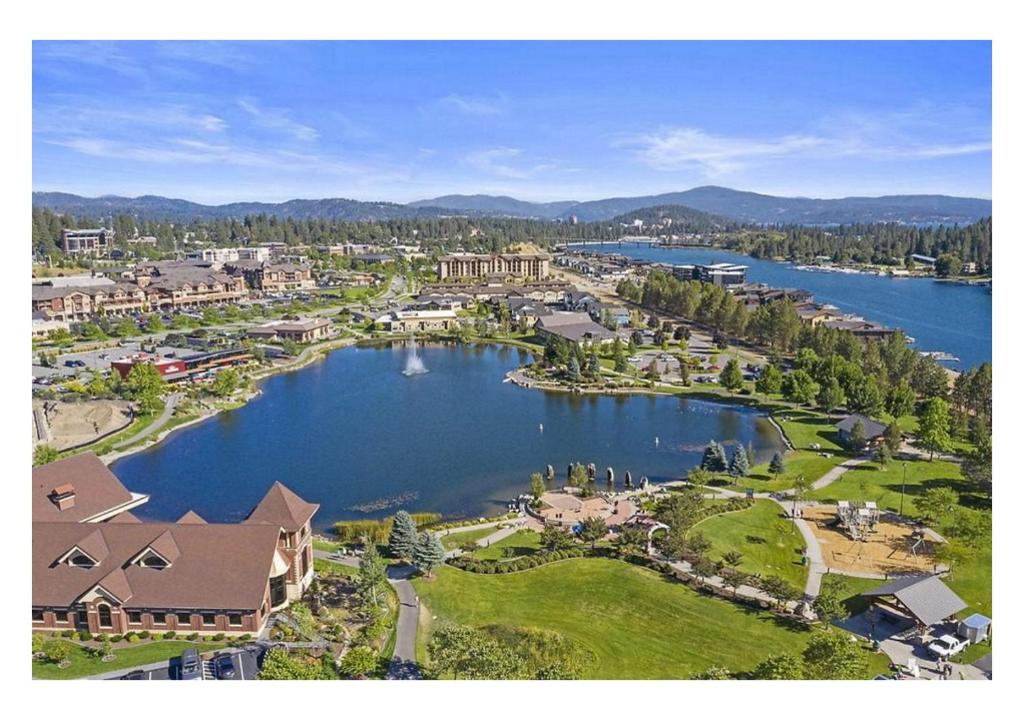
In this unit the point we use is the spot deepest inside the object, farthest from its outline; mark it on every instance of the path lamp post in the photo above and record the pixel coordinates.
(903, 489)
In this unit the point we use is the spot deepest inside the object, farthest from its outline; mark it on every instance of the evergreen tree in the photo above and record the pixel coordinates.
(731, 377)
(933, 426)
(714, 458)
(428, 552)
(372, 574)
(403, 536)
(777, 466)
(574, 370)
(739, 466)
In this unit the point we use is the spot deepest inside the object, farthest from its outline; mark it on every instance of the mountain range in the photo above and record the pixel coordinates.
(735, 205)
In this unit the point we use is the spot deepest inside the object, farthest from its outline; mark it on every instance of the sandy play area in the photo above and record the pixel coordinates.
(74, 424)
(886, 551)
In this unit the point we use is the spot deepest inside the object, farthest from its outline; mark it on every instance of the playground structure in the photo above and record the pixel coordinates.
(859, 521)
(870, 542)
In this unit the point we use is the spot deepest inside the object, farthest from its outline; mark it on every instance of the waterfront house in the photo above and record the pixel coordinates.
(575, 327)
(97, 567)
(872, 430)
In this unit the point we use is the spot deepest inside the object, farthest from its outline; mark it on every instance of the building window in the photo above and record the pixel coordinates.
(184, 619)
(60, 616)
(104, 616)
(235, 619)
(209, 619)
(81, 560)
(159, 618)
(134, 617)
(37, 615)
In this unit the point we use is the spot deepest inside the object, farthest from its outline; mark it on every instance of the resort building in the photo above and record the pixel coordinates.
(521, 265)
(721, 274)
(97, 241)
(575, 327)
(73, 303)
(568, 509)
(171, 285)
(301, 331)
(864, 329)
(97, 567)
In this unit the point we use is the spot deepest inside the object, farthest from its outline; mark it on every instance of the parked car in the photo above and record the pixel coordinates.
(191, 667)
(134, 675)
(74, 363)
(224, 666)
(947, 646)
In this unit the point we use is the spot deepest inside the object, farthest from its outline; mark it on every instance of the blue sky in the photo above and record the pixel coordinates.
(218, 122)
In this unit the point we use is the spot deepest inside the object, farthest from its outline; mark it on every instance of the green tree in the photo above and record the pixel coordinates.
(952, 553)
(552, 537)
(403, 536)
(732, 558)
(739, 466)
(933, 426)
(770, 381)
(573, 370)
(359, 662)
(56, 651)
(211, 316)
(226, 382)
(947, 264)
(831, 396)
(777, 466)
(900, 400)
(537, 485)
(937, 504)
(44, 454)
(893, 438)
(630, 540)
(714, 458)
(799, 387)
(828, 606)
(831, 655)
(857, 438)
(428, 553)
(145, 385)
(279, 664)
(593, 529)
(731, 376)
(713, 673)
(373, 576)
(467, 653)
(779, 667)
(154, 324)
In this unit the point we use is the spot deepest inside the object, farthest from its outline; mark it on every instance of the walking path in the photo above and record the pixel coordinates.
(497, 536)
(838, 471)
(154, 427)
(403, 661)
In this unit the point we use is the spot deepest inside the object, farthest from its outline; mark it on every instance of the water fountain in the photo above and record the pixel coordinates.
(413, 362)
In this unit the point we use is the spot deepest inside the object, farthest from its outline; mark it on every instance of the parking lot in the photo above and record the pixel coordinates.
(244, 661)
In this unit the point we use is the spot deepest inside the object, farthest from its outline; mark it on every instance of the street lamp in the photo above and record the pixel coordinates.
(903, 490)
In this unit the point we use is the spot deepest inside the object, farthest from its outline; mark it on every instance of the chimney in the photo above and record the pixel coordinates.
(63, 496)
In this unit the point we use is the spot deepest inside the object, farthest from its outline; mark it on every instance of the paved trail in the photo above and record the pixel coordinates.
(172, 401)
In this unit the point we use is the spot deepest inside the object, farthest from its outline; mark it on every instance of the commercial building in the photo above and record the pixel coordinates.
(417, 320)
(190, 367)
(226, 255)
(174, 285)
(97, 567)
(71, 303)
(96, 241)
(574, 327)
(520, 265)
(722, 274)
(302, 331)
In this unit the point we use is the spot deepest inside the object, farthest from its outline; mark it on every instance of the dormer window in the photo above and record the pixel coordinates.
(81, 560)
(152, 559)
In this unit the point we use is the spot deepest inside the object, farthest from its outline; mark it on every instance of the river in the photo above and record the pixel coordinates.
(939, 316)
(355, 435)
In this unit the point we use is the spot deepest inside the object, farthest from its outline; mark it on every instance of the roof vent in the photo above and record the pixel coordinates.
(63, 496)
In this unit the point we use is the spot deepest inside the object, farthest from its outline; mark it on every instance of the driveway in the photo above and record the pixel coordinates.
(245, 661)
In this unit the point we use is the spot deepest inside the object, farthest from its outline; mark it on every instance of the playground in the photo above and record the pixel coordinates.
(861, 539)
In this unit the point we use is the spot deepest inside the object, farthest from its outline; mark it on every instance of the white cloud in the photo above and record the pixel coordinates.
(475, 104)
(279, 119)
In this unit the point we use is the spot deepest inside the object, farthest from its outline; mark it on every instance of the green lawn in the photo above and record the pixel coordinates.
(770, 544)
(800, 462)
(638, 623)
(804, 428)
(83, 663)
(458, 539)
(519, 543)
(870, 482)
(849, 589)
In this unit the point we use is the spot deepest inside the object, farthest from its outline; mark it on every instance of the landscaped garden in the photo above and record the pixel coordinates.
(518, 544)
(768, 544)
(637, 623)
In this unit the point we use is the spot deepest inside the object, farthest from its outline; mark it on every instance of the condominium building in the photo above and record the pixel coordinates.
(522, 265)
(96, 241)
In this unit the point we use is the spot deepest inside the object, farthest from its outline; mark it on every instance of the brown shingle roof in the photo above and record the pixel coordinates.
(96, 489)
(283, 508)
(191, 518)
(220, 566)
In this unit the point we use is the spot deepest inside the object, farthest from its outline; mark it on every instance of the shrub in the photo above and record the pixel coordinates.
(246, 636)
(69, 634)
(218, 637)
(144, 634)
(131, 637)
(156, 636)
(115, 638)
(193, 636)
(102, 637)
(169, 634)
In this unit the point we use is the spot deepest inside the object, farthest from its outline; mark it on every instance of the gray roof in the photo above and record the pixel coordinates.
(872, 429)
(926, 597)
(574, 326)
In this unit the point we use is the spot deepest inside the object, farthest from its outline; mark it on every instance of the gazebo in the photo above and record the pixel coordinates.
(923, 598)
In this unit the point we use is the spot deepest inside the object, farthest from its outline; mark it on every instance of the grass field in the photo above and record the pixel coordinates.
(83, 663)
(458, 539)
(519, 543)
(770, 544)
(637, 623)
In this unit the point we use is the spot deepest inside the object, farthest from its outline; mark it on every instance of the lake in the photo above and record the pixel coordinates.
(940, 316)
(357, 436)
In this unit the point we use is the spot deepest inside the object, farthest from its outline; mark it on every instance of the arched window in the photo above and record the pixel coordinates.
(104, 613)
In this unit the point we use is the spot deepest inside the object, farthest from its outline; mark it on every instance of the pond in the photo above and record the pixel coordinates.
(362, 439)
